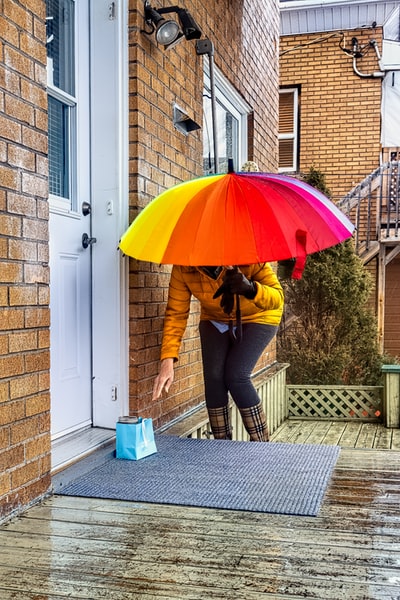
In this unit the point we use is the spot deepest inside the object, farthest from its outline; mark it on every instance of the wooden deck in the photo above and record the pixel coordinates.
(351, 434)
(98, 549)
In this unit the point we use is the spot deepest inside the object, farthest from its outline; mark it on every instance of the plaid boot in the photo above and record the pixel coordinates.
(255, 423)
(220, 423)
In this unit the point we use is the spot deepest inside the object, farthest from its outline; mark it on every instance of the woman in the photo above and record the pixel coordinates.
(227, 362)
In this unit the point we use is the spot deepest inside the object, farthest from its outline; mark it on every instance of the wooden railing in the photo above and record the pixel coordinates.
(271, 387)
(374, 207)
(391, 395)
(334, 402)
(328, 402)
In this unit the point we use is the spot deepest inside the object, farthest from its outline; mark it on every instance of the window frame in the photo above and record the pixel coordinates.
(231, 101)
(294, 135)
(61, 204)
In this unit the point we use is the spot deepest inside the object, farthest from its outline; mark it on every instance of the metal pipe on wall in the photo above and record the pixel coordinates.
(207, 47)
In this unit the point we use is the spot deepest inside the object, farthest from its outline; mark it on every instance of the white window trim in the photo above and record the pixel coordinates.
(228, 97)
(291, 136)
(59, 204)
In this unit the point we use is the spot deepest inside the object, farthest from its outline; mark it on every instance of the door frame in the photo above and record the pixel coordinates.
(109, 191)
(71, 339)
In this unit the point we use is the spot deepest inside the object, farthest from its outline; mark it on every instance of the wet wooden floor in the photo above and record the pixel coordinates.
(350, 434)
(98, 549)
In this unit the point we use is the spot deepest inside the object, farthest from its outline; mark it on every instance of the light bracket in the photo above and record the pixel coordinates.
(168, 32)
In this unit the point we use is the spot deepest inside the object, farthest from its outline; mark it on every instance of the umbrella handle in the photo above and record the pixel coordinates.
(239, 330)
(236, 336)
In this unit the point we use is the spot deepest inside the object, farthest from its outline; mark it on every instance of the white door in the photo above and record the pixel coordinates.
(110, 176)
(70, 215)
(88, 176)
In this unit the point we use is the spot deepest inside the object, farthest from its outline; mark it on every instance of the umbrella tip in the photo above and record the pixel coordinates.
(250, 167)
(230, 165)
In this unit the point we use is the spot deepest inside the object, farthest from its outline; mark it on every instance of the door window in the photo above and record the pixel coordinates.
(60, 20)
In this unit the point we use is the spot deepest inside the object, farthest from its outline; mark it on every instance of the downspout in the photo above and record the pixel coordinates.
(207, 47)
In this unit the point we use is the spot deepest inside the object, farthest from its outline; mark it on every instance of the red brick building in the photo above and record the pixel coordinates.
(87, 139)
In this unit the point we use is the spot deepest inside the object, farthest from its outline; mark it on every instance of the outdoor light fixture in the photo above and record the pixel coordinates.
(168, 32)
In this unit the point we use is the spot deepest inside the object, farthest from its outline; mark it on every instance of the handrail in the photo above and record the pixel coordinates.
(376, 197)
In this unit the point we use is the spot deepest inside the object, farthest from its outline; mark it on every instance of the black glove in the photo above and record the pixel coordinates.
(227, 302)
(235, 282)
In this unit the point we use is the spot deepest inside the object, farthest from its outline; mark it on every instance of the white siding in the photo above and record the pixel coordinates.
(311, 16)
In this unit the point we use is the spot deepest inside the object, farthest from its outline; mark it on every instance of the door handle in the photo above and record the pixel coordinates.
(87, 240)
(86, 208)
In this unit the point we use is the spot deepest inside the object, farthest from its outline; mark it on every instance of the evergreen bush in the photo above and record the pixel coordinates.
(332, 334)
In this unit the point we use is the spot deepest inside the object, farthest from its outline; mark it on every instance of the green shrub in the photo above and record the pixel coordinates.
(332, 338)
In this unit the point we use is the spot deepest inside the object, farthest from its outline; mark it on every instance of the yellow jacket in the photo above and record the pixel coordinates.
(266, 307)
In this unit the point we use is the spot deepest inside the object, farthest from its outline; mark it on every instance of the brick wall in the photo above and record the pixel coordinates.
(246, 51)
(24, 276)
(339, 111)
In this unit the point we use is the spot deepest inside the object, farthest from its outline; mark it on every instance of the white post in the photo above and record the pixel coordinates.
(391, 395)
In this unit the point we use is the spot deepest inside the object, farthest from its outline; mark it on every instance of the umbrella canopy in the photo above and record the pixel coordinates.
(235, 219)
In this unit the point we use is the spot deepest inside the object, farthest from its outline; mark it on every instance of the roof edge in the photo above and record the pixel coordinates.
(285, 5)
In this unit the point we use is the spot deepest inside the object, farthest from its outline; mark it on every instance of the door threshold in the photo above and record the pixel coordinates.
(72, 447)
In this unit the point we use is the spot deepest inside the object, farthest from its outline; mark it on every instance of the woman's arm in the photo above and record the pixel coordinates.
(176, 315)
(269, 294)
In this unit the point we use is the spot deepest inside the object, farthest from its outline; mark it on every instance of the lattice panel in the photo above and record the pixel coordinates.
(335, 402)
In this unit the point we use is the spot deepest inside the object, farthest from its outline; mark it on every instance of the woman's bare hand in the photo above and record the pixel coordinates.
(164, 379)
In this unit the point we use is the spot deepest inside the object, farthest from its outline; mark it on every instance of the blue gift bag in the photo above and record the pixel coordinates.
(135, 440)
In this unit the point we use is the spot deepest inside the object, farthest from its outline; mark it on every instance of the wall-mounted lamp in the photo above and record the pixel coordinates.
(168, 32)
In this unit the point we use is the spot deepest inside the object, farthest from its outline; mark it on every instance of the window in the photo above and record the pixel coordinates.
(231, 117)
(59, 167)
(60, 16)
(288, 135)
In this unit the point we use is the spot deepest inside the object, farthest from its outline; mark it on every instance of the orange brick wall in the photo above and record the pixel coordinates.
(24, 273)
(339, 111)
(246, 51)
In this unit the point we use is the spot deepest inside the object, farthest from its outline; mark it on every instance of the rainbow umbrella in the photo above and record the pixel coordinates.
(236, 219)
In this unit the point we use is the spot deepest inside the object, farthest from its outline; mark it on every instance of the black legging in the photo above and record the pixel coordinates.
(227, 365)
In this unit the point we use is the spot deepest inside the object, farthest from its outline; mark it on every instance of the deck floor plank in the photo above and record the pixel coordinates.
(92, 549)
(318, 433)
(383, 439)
(367, 435)
(395, 439)
(350, 435)
(334, 433)
(287, 432)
